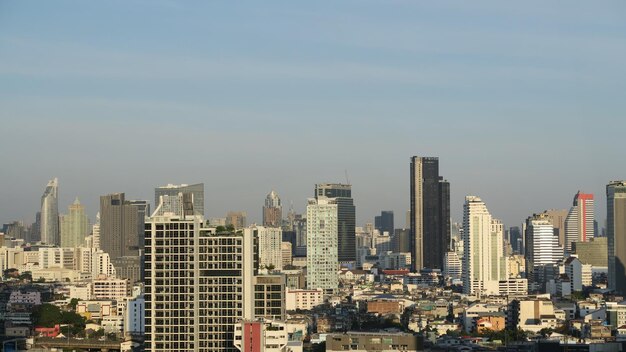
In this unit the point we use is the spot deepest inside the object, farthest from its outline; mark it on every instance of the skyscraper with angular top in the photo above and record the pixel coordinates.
(579, 220)
(272, 211)
(50, 214)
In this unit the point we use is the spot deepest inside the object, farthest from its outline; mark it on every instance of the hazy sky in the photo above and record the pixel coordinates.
(524, 103)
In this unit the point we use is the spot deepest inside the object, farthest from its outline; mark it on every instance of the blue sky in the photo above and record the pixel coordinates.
(523, 102)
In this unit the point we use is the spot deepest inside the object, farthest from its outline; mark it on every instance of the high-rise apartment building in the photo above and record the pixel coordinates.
(579, 221)
(346, 217)
(322, 243)
(197, 191)
(616, 233)
(384, 222)
(430, 214)
(49, 223)
(269, 245)
(484, 263)
(74, 226)
(272, 211)
(198, 285)
(542, 247)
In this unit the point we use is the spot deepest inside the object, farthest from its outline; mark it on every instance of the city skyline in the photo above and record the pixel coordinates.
(503, 95)
(92, 206)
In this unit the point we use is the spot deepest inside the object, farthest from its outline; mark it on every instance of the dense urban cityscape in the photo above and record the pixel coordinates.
(162, 277)
(312, 176)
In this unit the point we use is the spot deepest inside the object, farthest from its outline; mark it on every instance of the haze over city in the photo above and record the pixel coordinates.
(523, 106)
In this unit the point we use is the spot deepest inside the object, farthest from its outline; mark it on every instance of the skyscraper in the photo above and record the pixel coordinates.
(430, 214)
(197, 190)
(346, 217)
(579, 221)
(74, 226)
(322, 243)
(616, 233)
(558, 217)
(272, 211)
(50, 214)
(384, 222)
(122, 233)
(542, 247)
(483, 261)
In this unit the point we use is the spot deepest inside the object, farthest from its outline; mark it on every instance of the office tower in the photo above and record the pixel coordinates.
(616, 234)
(272, 211)
(384, 222)
(34, 235)
(237, 219)
(50, 214)
(401, 241)
(430, 214)
(346, 217)
(180, 204)
(198, 284)
(579, 221)
(542, 247)
(483, 261)
(15, 229)
(74, 226)
(515, 237)
(197, 190)
(122, 233)
(269, 246)
(593, 252)
(558, 217)
(322, 244)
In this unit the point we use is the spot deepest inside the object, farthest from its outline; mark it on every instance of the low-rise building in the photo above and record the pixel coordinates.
(303, 299)
(261, 335)
(376, 341)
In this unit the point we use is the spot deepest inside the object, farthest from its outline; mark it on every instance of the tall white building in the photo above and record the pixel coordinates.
(50, 214)
(269, 245)
(95, 233)
(322, 244)
(579, 220)
(542, 246)
(484, 263)
(198, 284)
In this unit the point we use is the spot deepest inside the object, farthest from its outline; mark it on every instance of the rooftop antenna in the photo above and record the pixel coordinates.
(347, 178)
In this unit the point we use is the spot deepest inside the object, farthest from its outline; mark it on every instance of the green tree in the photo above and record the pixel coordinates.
(73, 303)
(46, 315)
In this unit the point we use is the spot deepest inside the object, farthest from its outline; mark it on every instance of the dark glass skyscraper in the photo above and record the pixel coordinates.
(430, 214)
(346, 217)
(384, 222)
